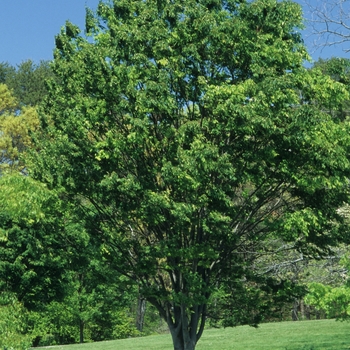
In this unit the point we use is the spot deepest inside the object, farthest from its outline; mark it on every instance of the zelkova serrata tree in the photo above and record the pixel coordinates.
(188, 135)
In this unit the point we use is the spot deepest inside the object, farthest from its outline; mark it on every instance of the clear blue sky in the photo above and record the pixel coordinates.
(28, 28)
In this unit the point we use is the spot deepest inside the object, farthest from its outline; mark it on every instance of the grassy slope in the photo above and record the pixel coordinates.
(307, 335)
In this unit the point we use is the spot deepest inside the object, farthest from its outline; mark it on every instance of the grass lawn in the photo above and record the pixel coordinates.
(306, 335)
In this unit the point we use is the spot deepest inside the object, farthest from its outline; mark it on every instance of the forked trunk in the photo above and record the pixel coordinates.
(186, 327)
(180, 344)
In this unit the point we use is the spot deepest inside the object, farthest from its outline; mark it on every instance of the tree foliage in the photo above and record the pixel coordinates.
(6, 70)
(13, 318)
(334, 301)
(27, 81)
(16, 127)
(195, 145)
(33, 259)
(55, 272)
(45, 260)
(339, 70)
(94, 307)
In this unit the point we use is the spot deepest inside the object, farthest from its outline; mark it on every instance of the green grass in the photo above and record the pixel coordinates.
(306, 335)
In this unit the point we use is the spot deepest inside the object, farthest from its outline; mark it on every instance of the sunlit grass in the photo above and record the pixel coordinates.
(306, 335)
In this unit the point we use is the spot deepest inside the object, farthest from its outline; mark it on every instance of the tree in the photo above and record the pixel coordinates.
(54, 272)
(6, 70)
(25, 269)
(33, 261)
(8, 101)
(94, 308)
(339, 70)
(330, 22)
(28, 81)
(16, 127)
(333, 301)
(12, 324)
(188, 136)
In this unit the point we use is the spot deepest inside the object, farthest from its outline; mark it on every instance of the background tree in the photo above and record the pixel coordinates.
(332, 301)
(54, 273)
(339, 70)
(330, 22)
(94, 308)
(12, 323)
(6, 70)
(336, 67)
(8, 101)
(27, 80)
(332, 297)
(187, 135)
(16, 127)
(33, 259)
(27, 228)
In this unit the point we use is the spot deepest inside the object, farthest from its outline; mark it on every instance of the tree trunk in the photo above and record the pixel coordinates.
(302, 309)
(185, 321)
(307, 312)
(140, 313)
(187, 327)
(81, 331)
(180, 345)
(295, 310)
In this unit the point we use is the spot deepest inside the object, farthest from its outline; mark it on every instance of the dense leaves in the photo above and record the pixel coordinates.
(16, 127)
(33, 259)
(55, 271)
(339, 70)
(27, 81)
(13, 329)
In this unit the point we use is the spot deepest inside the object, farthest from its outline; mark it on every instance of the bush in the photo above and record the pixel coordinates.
(13, 324)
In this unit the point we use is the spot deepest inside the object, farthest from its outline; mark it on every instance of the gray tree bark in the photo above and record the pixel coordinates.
(140, 313)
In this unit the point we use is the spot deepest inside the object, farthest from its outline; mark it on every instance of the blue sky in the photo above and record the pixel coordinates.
(28, 28)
